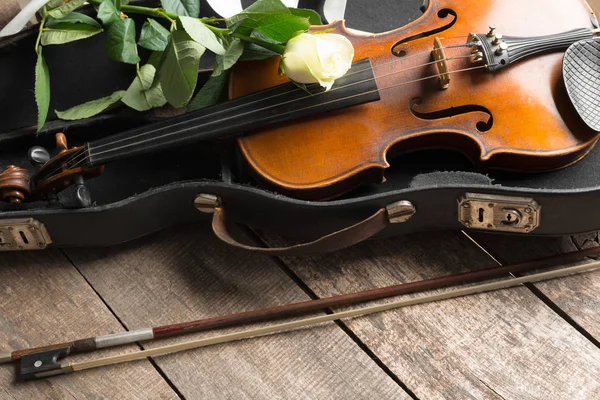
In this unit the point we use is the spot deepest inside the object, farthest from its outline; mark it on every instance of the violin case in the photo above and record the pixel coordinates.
(432, 190)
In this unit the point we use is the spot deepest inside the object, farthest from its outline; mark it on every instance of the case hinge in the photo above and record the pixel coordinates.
(23, 234)
(499, 213)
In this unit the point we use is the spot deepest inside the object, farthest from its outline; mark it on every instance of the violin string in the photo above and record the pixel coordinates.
(80, 157)
(283, 114)
(76, 158)
(320, 104)
(292, 101)
(401, 60)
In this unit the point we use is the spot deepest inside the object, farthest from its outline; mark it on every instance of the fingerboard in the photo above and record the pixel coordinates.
(239, 116)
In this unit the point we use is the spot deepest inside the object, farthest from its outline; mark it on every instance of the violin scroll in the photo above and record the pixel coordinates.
(14, 185)
(68, 168)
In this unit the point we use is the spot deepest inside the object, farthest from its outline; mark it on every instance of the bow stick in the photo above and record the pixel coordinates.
(42, 361)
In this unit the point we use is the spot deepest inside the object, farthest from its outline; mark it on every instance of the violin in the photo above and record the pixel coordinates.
(447, 80)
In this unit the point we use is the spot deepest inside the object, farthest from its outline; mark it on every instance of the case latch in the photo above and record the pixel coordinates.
(23, 234)
(499, 213)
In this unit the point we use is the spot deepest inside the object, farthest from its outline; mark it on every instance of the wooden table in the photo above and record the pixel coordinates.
(532, 342)
(537, 341)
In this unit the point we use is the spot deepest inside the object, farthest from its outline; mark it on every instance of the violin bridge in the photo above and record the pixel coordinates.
(439, 55)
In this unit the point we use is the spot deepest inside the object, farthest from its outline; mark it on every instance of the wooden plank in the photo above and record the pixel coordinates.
(183, 275)
(578, 296)
(44, 300)
(505, 344)
(8, 10)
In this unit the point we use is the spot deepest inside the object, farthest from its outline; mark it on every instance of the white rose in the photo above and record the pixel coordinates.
(322, 58)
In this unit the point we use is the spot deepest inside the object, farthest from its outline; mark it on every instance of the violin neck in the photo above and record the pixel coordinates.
(239, 116)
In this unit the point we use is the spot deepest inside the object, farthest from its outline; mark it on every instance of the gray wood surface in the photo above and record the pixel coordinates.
(8, 9)
(44, 300)
(187, 274)
(506, 344)
(578, 296)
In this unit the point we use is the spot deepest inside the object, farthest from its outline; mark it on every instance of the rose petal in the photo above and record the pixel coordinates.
(342, 44)
(305, 46)
(296, 68)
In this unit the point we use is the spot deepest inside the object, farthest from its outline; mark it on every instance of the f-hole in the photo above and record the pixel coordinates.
(481, 126)
(443, 13)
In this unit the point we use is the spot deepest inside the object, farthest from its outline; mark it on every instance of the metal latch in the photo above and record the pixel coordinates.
(499, 213)
(23, 234)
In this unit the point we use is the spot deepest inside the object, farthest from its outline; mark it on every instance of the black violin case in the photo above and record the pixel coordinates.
(434, 190)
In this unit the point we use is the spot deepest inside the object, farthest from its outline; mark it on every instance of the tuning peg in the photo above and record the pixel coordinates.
(61, 142)
(38, 155)
(501, 48)
(497, 38)
(76, 196)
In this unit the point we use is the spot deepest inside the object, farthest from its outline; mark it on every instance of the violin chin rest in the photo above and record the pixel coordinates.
(581, 75)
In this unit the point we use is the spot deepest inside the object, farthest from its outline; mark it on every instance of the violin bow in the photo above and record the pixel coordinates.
(40, 362)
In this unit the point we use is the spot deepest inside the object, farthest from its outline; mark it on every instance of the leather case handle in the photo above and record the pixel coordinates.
(334, 241)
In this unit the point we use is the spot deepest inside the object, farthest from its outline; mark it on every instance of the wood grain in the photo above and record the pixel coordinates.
(505, 344)
(595, 4)
(8, 10)
(531, 125)
(43, 300)
(578, 296)
(187, 274)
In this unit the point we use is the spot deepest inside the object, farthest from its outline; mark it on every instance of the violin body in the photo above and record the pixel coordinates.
(518, 118)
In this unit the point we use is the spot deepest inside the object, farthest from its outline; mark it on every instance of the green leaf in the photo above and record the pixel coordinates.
(42, 89)
(68, 32)
(313, 17)
(73, 18)
(66, 8)
(302, 86)
(278, 27)
(178, 71)
(144, 93)
(53, 4)
(155, 96)
(281, 27)
(258, 10)
(266, 6)
(231, 56)
(154, 36)
(254, 52)
(91, 108)
(120, 42)
(108, 12)
(187, 8)
(201, 34)
(211, 93)
(155, 59)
